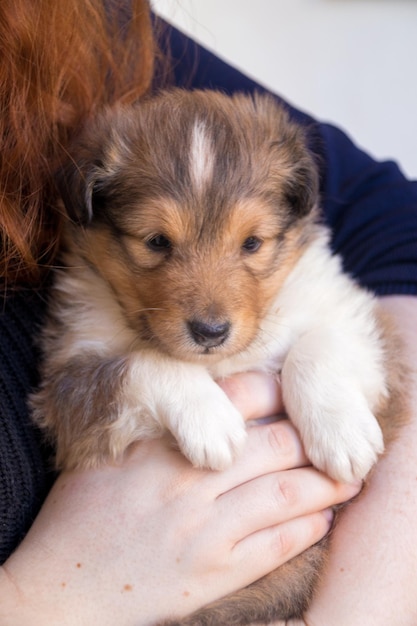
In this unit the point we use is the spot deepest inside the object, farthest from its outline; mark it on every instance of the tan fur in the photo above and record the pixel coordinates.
(204, 281)
(126, 312)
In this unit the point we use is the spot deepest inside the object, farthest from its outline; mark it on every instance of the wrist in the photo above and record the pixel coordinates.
(27, 596)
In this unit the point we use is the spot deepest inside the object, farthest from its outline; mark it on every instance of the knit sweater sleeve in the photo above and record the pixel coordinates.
(24, 473)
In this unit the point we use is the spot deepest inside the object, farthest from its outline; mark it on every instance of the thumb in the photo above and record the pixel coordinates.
(255, 394)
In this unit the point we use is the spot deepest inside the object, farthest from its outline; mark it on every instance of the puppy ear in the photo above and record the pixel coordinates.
(81, 187)
(295, 166)
(301, 189)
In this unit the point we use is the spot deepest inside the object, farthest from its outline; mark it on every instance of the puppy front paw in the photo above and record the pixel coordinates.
(345, 445)
(211, 433)
(327, 400)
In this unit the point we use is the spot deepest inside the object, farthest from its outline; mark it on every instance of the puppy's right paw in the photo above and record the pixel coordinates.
(210, 432)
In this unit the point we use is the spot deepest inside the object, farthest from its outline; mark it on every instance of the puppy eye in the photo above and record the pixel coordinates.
(159, 243)
(251, 244)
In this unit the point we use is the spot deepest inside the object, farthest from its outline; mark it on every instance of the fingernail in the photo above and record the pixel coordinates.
(329, 515)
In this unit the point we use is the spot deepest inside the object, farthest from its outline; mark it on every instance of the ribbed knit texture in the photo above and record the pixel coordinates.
(24, 479)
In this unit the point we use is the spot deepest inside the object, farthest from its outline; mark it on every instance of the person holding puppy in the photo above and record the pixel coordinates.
(153, 537)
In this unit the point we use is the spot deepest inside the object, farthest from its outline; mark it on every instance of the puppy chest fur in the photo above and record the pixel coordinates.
(194, 250)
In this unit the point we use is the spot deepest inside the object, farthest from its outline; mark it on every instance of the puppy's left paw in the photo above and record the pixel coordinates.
(327, 400)
(345, 445)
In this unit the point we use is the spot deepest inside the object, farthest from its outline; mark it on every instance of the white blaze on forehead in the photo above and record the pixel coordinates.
(201, 155)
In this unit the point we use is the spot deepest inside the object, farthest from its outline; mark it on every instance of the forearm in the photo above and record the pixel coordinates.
(372, 573)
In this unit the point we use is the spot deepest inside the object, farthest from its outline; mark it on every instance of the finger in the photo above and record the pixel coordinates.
(277, 498)
(272, 547)
(254, 394)
(268, 448)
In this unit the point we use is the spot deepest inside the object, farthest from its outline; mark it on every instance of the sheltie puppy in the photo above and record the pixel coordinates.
(194, 249)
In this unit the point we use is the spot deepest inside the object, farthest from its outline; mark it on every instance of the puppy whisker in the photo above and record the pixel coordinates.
(146, 309)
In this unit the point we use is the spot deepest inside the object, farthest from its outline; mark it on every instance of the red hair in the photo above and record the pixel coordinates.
(60, 61)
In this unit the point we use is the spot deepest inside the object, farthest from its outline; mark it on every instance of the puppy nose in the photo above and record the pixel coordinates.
(208, 334)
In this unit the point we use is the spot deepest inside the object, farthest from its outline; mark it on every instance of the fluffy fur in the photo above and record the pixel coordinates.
(194, 251)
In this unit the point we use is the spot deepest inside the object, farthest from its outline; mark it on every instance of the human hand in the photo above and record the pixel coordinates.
(153, 537)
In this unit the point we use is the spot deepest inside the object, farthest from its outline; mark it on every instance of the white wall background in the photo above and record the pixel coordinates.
(351, 62)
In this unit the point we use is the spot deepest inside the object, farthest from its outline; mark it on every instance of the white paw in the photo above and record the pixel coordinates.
(325, 396)
(209, 430)
(345, 445)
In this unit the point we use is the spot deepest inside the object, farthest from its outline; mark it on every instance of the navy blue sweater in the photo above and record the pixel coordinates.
(370, 207)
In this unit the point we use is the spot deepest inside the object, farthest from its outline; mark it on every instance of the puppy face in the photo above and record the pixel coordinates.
(193, 207)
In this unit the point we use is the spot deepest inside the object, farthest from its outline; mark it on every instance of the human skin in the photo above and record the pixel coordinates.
(214, 541)
(154, 537)
(372, 574)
